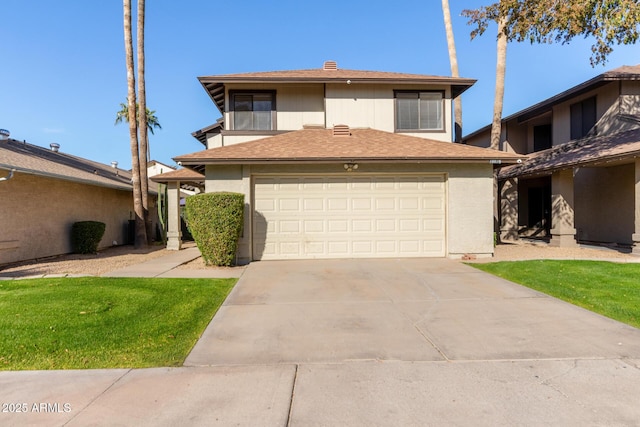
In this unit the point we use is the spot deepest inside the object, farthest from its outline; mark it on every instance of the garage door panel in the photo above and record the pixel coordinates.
(365, 216)
(335, 204)
(314, 226)
(338, 247)
(385, 203)
(265, 205)
(361, 204)
(386, 225)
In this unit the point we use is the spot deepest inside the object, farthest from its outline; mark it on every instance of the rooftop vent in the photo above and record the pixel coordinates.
(114, 164)
(341, 130)
(4, 134)
(330, 65)
(55, 147)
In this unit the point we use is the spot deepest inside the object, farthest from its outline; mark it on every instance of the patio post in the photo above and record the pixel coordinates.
(636, 235)
(563, 230)
(509, 210)
(174, 233)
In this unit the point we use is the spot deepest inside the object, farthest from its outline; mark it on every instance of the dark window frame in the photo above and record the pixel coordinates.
(583, 117)
(443, 115)
(542, 137)
(232, 106)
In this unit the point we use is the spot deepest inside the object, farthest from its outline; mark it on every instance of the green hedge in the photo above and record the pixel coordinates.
(86, 235)
(215, 221)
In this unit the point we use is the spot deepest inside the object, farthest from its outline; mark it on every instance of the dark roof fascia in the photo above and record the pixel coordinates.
(196, 163)
(214, 85)
(545, 171)
(546, 105)
(201, 134)
(558, 152)
(123, 187)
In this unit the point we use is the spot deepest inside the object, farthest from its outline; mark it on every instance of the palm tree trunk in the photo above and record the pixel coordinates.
(501, 65)
(140, 231)
(142, 120)
(496, 125)
(453, 60)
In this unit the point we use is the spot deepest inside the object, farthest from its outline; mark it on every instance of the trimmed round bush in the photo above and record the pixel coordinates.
(215, 222)
(86, 235)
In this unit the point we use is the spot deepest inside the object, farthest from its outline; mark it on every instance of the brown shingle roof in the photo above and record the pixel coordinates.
(214, 85)
(587, 151)
(319, 145)
(36, 160)
(320, 75)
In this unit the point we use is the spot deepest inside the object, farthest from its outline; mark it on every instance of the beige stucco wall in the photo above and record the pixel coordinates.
(355, 105)
(469, 197)
(36, 215)
(606, 97)
(296, 106)
(605, 204)
(373, 106)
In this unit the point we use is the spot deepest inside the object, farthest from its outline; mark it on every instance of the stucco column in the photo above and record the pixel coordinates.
(636, 235)
(174, 233)
(563, 230)
(509, 210)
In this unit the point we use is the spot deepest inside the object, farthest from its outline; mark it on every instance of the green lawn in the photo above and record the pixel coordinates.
(610, 289)
(94, 322)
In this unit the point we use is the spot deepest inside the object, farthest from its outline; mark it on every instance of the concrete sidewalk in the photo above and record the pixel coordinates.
(364, 343)
(165, 266)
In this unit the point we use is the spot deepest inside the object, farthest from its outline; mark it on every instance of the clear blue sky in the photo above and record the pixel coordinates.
(63, 76)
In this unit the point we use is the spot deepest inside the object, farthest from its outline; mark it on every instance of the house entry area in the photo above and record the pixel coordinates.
(355, 216)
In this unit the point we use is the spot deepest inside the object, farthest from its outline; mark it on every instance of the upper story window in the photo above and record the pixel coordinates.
(542, 137)
(583, 117)
(253, 110)
(419, 111)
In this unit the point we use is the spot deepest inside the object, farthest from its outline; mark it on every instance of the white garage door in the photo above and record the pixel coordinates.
(352, 217)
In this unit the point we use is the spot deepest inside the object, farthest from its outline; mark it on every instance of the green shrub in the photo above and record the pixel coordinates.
(86, 235)
(215, 221)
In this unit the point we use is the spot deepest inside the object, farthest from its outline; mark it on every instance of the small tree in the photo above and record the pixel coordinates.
(215, 220)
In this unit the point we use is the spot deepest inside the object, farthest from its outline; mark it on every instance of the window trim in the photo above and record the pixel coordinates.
(581, 105)
(442, 129)
(232, 95)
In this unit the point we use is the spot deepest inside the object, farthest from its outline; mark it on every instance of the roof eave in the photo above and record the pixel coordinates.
(321, 160)
(115, 186)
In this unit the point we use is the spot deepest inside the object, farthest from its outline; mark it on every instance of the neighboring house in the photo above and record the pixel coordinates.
(50, 190)
(581, 181)
(345, 163)
(155, 167)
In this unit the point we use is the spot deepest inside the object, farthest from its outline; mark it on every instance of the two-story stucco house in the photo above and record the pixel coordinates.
(344, 163)
(581, 180)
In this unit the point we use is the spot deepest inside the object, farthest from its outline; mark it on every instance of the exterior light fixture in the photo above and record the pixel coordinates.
(350, 167)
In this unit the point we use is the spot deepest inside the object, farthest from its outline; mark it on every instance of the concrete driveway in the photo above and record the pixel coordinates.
(425, 342)
(419, 310)
(364, 343)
